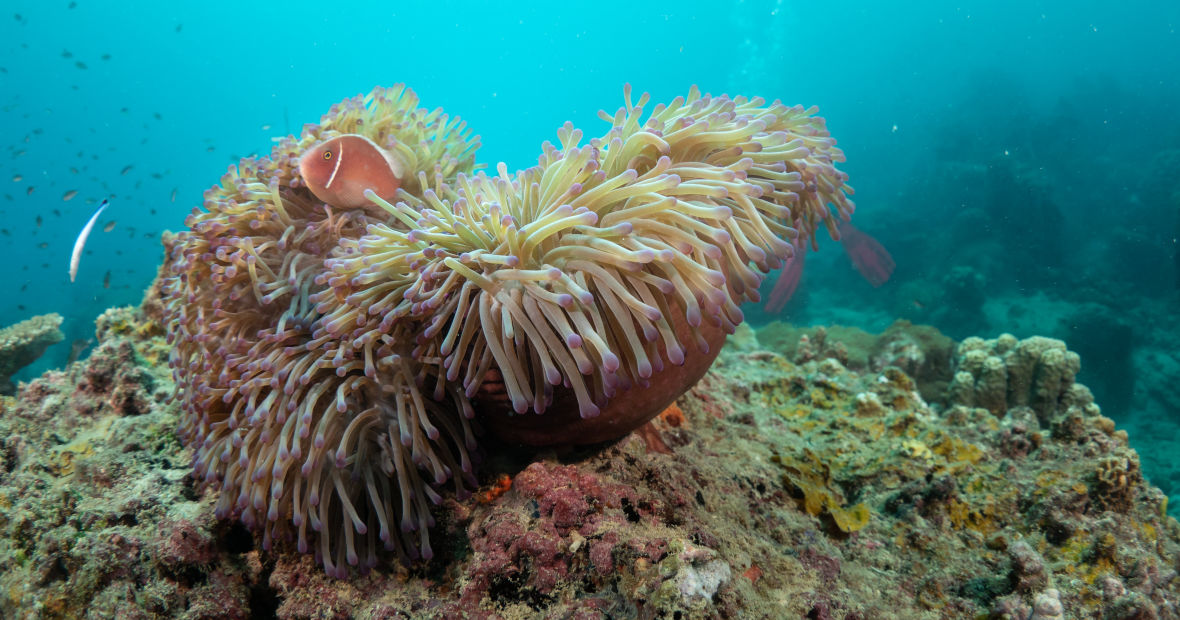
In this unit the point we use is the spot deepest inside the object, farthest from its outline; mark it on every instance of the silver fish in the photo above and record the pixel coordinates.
(80, 242)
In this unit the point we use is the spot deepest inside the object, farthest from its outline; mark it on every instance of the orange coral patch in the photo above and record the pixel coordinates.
(498, 488)
(673, 416)
(753, 573)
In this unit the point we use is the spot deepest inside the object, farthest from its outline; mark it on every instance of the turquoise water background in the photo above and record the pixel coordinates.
(1054, 123)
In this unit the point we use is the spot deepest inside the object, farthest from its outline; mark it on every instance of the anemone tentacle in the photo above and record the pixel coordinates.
(568, 272)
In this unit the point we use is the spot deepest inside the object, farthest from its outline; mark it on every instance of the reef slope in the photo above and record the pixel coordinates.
(817, 482)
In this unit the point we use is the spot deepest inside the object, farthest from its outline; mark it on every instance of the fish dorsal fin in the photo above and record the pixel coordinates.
(395, 163)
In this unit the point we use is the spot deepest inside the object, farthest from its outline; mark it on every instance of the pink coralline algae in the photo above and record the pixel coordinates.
(532, 552)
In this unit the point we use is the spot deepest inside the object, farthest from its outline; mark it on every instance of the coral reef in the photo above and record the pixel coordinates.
(21, 344)
(774, 489)
(921, 351)
(327, 358)
(99, 515)
(1005, 373)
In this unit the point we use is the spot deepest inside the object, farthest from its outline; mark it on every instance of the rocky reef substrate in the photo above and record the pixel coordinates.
(819, 473)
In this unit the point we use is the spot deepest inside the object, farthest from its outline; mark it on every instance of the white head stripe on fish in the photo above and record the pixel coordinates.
(339, 158)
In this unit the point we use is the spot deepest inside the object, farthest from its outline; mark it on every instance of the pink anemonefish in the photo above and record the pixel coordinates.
(339, 171)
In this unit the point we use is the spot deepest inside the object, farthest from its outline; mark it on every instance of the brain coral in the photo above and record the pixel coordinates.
(329, 361)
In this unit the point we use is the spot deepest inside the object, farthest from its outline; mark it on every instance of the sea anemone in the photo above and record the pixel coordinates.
(330, 361)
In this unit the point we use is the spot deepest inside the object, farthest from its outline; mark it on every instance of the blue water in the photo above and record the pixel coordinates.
(1013, 156)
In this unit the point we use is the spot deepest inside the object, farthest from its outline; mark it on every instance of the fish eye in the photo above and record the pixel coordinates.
(327, 155)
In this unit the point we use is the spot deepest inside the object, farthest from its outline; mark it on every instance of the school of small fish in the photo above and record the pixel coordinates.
(46, 164)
